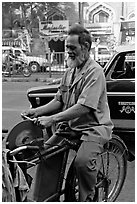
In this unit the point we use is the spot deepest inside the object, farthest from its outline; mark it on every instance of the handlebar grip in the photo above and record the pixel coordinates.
(28, 118)
(18, 149)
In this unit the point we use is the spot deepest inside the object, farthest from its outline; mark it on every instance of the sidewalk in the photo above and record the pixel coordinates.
(36, 77)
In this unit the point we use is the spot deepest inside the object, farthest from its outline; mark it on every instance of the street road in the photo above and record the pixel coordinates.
(14, 101)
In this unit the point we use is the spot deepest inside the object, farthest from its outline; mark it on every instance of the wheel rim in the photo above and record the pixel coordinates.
(26, 72)
(34, 67)
(115, 175)
(110, 179)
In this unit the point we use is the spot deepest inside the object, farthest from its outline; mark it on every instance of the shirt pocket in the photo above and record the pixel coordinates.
(64, 92)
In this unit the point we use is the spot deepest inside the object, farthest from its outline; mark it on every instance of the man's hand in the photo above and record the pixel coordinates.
(30, 113)
(45, 121)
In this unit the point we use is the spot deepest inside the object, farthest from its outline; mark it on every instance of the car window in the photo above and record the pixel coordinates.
(124, 66)
(130, 59)
(103, 50)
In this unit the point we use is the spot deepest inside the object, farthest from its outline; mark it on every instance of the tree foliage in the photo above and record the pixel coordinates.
(70, 11)
(27, 14)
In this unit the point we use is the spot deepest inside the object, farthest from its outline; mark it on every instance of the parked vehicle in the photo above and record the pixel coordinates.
(16, 66)
(6, 50)
(101, 54)
(120, 78)
(34, 62)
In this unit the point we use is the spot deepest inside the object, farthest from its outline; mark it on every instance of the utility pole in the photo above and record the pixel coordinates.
(122, 10)
(80, 8)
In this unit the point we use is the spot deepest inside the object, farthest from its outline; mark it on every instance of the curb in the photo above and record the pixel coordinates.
(37, 79)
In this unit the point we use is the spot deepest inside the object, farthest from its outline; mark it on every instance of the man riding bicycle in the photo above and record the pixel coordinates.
(81, 101)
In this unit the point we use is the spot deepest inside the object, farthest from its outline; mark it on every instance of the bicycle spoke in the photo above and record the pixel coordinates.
(107, 165)
(111, 175)
(112, 168)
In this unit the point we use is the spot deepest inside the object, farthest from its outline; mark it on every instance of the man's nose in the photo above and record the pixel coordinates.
(69, 51)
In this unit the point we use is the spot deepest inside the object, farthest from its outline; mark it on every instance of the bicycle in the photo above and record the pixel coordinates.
(111, 174)
(16, 66)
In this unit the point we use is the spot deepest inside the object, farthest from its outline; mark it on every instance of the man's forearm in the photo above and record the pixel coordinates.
(74, 112)
(49, 108)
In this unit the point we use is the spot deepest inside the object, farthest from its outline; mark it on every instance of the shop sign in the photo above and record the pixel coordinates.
(51, 27)
(127, 25)
(99, 28)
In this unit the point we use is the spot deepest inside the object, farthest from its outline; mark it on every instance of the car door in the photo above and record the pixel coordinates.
(121, 90)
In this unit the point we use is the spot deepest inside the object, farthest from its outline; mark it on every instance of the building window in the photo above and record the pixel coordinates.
(101, 17)
(132, 16)
(55, 17)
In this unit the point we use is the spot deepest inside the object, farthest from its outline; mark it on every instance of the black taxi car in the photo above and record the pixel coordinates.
(120, 80)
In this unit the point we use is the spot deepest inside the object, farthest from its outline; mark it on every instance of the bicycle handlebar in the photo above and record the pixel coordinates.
(28, 118)
(19, 149)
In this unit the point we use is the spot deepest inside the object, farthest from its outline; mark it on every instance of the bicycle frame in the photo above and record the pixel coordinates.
(14, 68)
(49, 150)
(64, 146)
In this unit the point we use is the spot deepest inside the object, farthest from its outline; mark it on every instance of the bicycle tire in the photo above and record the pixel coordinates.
(117, 153)
(114, 149)
(26, 72)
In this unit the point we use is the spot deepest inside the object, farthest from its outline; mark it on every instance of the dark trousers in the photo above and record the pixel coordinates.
(87, 165)
(47, 174)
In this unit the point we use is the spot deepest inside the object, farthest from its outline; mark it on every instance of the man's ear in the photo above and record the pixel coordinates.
(87, 45)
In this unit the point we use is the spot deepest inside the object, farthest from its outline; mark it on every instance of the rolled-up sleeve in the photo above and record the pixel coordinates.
(92, 89)
(63, 88)
(58, 96)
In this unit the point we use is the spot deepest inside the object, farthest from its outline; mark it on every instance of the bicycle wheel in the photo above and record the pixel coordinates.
(26, 71)
(111, 176)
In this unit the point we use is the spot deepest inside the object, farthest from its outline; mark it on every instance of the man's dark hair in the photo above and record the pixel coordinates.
(84, 35)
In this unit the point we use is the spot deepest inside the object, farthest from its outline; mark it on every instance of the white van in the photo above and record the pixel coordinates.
(33, 61)
(18, 52)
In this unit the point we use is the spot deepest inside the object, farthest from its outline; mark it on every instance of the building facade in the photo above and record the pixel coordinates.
(110, 22)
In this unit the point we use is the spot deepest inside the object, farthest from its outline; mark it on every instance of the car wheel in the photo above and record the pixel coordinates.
(34, 66)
